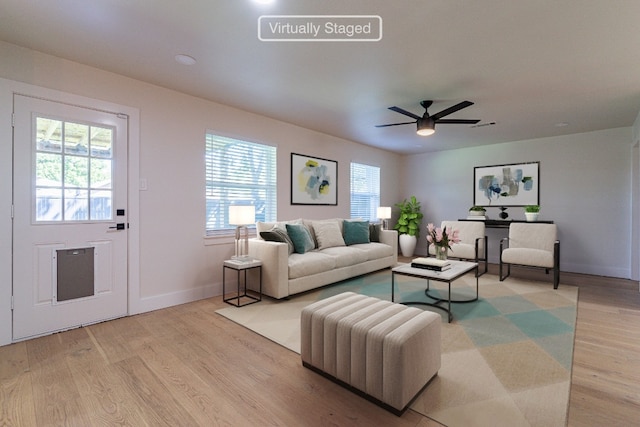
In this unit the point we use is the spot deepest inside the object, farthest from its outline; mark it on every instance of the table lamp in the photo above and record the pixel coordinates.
(384, 213)
(241, 216)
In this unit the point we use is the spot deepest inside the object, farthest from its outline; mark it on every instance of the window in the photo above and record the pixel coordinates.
(73, 171)
(241, 173)
(365, 191)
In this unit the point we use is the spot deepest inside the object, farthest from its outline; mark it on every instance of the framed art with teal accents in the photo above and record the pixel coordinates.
(507, 185)
(314, 181)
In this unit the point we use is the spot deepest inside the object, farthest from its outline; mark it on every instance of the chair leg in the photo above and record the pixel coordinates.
(508, 268)
(556, 265)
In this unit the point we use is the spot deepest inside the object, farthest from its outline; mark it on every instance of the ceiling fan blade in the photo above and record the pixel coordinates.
(451, 110)
(405, 112)
(457, 121)
(395, 124)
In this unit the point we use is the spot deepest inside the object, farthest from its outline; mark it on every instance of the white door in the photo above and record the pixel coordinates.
(70, 216)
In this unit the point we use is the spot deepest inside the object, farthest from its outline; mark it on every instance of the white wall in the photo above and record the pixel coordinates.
(635, 201)
(177, 264)
(585, 188)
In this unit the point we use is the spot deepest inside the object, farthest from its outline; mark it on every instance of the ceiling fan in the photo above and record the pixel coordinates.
(426, 123)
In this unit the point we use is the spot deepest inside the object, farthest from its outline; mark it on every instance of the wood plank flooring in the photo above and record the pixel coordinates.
(187, 366)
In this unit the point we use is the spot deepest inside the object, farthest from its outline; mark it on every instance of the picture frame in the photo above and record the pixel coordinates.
(516, 184)
(314, 180)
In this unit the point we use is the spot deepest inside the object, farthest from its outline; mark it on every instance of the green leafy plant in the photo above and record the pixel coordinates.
(410, 217)
(477, 209)
(532, 208)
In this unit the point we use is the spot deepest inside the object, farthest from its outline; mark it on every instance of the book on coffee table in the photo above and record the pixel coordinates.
(431, 264)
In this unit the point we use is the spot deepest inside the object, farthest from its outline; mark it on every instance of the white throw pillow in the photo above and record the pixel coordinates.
(328, 234)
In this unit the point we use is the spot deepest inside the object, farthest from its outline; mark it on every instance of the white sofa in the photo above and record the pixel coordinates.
(330, 260)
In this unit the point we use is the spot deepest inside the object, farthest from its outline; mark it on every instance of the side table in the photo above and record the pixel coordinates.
(241, 266)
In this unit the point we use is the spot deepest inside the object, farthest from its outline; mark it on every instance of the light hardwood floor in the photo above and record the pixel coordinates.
(187, 366)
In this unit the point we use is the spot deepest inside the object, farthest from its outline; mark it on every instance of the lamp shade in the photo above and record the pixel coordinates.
(426, 126)
(384, 212)
(242, 214)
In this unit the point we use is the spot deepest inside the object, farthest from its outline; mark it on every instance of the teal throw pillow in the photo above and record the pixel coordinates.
(301, 238)
(356, 232)
(277, 235)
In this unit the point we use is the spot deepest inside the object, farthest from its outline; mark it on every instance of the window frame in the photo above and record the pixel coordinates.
(235, 187)
(368, 194)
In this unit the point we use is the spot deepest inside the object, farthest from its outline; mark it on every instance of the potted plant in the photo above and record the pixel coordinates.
(408, 225)
(531, 212)
(477, 211)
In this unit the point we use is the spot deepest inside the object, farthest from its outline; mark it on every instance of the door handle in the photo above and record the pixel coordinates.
(119, 226)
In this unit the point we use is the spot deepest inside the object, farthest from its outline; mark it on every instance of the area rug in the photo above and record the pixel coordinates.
(506, 359)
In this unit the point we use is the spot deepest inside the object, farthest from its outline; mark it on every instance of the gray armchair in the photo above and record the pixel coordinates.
(533, 245)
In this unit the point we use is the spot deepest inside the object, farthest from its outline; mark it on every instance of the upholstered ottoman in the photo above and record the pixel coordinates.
(385, 352)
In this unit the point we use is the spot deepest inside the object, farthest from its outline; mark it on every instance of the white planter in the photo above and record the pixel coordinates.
(408, 244)
(531, 216)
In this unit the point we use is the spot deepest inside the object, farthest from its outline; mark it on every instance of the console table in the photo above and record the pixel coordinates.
(502, 223)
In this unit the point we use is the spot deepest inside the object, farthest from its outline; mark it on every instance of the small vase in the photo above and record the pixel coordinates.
(442, 252)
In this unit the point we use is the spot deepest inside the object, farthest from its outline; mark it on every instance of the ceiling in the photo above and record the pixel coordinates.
(534, 68)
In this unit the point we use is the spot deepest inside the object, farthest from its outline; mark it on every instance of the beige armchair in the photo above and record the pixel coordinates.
(473, 242)
(533, 245)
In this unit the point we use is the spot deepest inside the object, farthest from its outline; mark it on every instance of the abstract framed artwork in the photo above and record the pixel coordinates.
(515, 184)
(314, 181)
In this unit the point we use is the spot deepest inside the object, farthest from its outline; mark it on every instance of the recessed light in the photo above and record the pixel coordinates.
(185, 59)
(264, 1)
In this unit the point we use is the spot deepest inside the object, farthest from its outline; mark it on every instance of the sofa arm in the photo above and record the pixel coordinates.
(275, 266)
(390, 237)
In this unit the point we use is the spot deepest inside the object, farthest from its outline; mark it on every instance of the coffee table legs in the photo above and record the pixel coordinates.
(437, 301)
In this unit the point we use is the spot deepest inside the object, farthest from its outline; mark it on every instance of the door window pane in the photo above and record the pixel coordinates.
(100, 207)
(76, 205)
(76, 138)
(48, 204)
(73, 171)
(101, 142)
(48, 169)
(49, 135)
(76, 171)
(100, 173)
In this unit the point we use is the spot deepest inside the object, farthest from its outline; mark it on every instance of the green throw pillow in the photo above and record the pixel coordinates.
(277, 235)
(301, 238)
(356, 232)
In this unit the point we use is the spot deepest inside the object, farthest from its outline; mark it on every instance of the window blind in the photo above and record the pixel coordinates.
(365, 191)
(241, 173)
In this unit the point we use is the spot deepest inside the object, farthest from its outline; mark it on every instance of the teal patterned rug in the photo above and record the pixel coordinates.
(506, 358)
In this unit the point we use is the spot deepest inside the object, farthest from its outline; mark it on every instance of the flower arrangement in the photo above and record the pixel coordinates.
(442, 239)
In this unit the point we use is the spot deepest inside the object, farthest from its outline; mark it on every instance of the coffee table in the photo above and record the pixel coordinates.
(457, 270)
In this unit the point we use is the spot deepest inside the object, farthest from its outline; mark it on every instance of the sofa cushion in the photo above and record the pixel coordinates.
(310, 263)
(301, 238)
(346, 255)
(375, 250)
(328, 234)
(356, 232)
(278, 235)
(268, 226)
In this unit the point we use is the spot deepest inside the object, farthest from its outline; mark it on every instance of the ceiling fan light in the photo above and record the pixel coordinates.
(426, 132)
(426, 127)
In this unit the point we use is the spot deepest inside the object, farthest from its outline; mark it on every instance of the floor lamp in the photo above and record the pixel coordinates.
(241, 216)
(384, 213)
